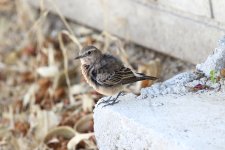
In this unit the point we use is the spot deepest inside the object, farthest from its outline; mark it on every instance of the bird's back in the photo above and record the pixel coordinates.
(109, 63)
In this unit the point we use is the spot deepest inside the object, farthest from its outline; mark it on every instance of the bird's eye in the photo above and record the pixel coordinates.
(89, 52)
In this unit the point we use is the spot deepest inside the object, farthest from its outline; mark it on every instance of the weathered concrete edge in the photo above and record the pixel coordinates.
(154, 120)
(170, 33)
(188, 122)
(126, 133)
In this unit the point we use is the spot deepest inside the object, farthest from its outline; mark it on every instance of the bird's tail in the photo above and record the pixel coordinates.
(144, 77)
(138, 77)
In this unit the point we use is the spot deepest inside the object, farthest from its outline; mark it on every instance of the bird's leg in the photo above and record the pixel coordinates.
(113, 100)
(104, 101)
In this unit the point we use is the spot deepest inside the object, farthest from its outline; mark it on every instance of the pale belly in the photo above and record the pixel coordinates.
(108, 91)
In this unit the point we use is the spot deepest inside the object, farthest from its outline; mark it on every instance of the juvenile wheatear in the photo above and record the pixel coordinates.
(107, 74)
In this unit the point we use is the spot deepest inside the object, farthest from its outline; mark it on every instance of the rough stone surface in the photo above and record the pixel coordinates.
(215, 61)
(175, 85)
(183, 113)
(189, 122)
(172, 32)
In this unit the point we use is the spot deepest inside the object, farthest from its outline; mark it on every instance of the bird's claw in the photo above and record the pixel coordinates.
(104, 101)
(110, 101)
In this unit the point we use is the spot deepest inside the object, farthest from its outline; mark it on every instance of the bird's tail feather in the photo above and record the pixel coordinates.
(148, 78)
(139, 77)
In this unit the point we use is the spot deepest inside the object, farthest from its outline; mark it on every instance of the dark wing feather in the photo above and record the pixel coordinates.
(114, 78)
(111, 72)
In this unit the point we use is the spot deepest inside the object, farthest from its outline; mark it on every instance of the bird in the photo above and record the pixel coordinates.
(106, 73)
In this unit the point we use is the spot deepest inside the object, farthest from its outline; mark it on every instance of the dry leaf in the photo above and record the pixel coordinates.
(84, 124)
(58, 94)
(88, 102)
(64, 131)
(48, 72)
(222, 72)
(17, 106)
(11, 58)
(77, 139)
(30, 50)
(58, 137)
(89, 40)
(41, 121)
(47, 103)
(199, 87)
(29, 97)
(44, 83)
(22, 127)
(27, 77)
(79, 88)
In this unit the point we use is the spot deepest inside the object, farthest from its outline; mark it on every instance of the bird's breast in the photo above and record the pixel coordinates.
(84, 70)
(109, 91)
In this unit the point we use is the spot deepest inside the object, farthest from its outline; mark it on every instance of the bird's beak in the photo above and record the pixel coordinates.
(78, 57)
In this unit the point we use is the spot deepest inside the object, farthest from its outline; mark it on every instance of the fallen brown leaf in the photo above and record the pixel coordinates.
(40, 95)
(22, 127)
(44, 83)
(58, 137)
(89, 40)
(199, 87)
(222, 72)
(27, 77)
(43, 59)
(30, 50)
(58, 143)
(68, 119)
(58, 94)
(47, 103)
(11, 58)
(17, 106)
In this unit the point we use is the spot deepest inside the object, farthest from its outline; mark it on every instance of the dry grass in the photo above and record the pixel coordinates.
(44, 98)
(40, 107)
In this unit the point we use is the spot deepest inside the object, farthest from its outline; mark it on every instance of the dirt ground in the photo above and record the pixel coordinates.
(44, 100)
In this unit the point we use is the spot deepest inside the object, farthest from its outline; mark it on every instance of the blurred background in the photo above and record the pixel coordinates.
(45, 102)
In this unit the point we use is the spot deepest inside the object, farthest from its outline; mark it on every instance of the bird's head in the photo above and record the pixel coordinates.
(89, 55)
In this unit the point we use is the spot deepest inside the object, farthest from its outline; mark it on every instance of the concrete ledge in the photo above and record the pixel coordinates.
(185, 112)
(190, 122)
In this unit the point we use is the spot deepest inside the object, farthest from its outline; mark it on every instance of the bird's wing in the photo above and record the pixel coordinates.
(107, 77)
(111, 72)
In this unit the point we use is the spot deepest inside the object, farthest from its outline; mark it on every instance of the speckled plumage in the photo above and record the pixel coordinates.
(105, 73)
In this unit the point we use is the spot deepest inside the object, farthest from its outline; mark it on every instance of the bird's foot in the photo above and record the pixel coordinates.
(111, 101)
(104, 101)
